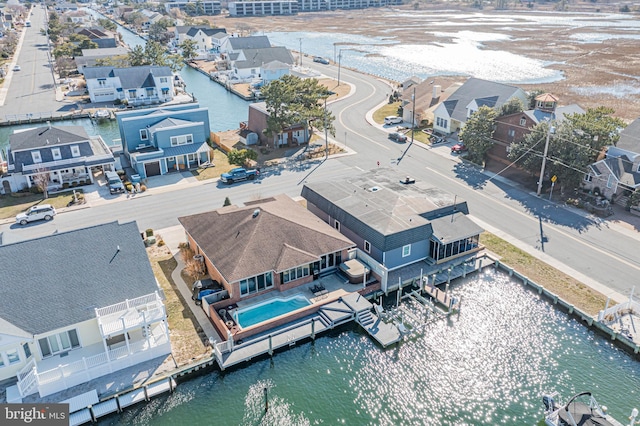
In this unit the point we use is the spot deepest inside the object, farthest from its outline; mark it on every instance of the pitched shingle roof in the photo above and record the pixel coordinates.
(282, 235)
(257, 57)
(58, 280)
(483, 91)
(47, 136)
(191, 31)
(130, 78)
(630, 137)
(620, 167)
(254, 42)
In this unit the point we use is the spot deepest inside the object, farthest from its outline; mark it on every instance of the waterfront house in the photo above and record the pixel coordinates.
(257, 123)
(90, 57)
(618, 174)
(269, 245)
(87, 305)
(67, 154)
(202, 36)
(394, 221)
(237, 44)
(250, 62)
(161, 140)
(199, 7)
(514, 127)
(100, 36)
(451, 115)
(142, 85)
(428, 95)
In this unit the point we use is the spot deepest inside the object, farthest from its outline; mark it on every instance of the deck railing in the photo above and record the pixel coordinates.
(132, 320)
(128, 304)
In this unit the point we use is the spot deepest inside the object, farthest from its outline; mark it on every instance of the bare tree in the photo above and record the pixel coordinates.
(41, 180)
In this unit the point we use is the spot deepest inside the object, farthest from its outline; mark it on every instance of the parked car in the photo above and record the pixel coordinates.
(238, 174)
(320, 60)
(16, 68)
(458, 148)
(39, 212)
(114, 182)
(398, 137)
(393, 120)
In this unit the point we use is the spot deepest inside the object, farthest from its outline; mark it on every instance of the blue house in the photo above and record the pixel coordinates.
(162, 140)
(393, 222)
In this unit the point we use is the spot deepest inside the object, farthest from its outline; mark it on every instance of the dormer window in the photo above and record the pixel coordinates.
(55, 152)
(75, 151)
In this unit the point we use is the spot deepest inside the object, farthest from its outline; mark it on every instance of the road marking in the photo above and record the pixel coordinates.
(527, 216)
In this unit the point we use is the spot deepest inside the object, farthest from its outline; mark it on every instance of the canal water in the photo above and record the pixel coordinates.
(489, 365)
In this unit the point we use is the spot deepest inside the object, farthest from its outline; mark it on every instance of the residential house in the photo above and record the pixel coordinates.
(514, 127)
(249, 62)
(100, 36)
(150, 17)
(142, 85)
(200, 7)
(64, 325)
(263, 8)
(161, 140)
(426, 96)
(394, 223)
(91, 57)
(76, 16)
(269, 245)
(257, 123)
(203, 36)
(67, 154)
(618, 174)
(65, 7)
(237, 44)
(451, 115)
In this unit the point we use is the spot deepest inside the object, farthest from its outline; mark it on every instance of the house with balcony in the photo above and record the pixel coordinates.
(62, 326)
(157, 141)
(452, 114)
(269, 245)
(395, 222)
(67, 154)
(204, 37)
(143, 85)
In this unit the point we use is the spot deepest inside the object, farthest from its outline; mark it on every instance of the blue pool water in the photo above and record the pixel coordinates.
(265, 311)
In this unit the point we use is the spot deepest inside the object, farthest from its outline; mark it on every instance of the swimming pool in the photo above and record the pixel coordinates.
(255, 314)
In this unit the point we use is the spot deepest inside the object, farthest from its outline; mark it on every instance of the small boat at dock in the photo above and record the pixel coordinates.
(581, 410)
(102, 114)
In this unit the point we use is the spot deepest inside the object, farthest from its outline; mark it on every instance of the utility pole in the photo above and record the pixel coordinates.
(544, 160)
(339, 60)
(413, 114)
(300, 51)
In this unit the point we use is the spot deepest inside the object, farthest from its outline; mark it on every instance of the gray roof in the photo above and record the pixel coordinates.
(484, 92)
(620, 167)
(630, 137)
(253, 42)
(69, 274)
(132, 77)
(559, 114)
(107, 51)
(47, 136)
(281, 236)
(255, 58)
(380, 209)
(454, 227)
(207, 30)
(168, 122)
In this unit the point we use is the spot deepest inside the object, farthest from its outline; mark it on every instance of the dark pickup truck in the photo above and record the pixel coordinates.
(238, 174)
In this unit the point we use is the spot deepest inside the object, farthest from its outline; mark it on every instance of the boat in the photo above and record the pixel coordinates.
(581, 410)
(102, 114)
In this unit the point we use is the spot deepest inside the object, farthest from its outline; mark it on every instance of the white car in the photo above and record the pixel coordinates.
(39, 212)
(16, 68)
(392, 120)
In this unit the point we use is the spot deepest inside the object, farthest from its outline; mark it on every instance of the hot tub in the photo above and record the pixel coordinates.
(354, 270)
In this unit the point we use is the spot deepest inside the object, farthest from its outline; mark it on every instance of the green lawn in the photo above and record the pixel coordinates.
(386, 111)
(12, 204)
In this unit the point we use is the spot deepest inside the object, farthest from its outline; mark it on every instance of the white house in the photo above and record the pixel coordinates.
(204, 37)
(250, 62)
(237, 44)
(451, 115)
(60, 326)
(143, 85)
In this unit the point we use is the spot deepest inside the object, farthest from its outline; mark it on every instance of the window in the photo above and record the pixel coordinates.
(512, 133)
(523, 121)
(132, 93)
(102, 81)
(55, 152)
(144, 134)
(57, 343)
(35, 156)
(181, 140)
(27, 350)
(406, 250)
(336, 225)
(256, 284)
(75, 151)
(588, 177)
(441, 122)
(163, 79)
(367, 246)
(192, 157)
(295, 273)
(610, 181)
(149, 91)
(12, 356)
(165, 91)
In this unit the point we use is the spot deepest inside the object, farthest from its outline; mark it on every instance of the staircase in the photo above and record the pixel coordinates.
(365, 319)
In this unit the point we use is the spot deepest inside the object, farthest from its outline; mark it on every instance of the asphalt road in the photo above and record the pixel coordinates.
(600, 252)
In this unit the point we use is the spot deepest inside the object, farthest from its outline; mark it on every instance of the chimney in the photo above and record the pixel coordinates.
(436, 91)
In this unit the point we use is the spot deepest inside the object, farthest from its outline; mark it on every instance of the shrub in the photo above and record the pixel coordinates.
(74, 184)
(35, 190)
(240, 156)
(149, 232)
(161, 243)
(128, 186)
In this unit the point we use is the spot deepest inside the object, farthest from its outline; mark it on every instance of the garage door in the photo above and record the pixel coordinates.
(152, 169)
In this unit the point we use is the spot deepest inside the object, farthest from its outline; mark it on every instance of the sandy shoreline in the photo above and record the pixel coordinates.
(596, 73)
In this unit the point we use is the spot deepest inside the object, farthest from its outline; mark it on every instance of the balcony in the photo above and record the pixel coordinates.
(130, 314)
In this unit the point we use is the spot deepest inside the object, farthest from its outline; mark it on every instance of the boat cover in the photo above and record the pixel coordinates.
(583, 415)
